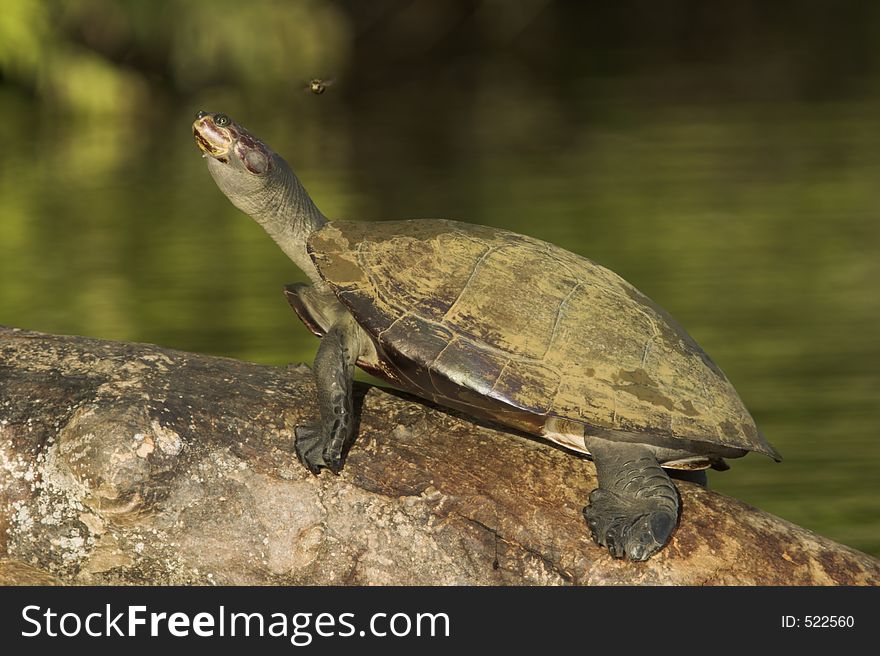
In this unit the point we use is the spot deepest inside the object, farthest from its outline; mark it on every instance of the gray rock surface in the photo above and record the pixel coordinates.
(132, 464)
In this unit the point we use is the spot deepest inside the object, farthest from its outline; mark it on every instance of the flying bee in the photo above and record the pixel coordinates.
(318, 86)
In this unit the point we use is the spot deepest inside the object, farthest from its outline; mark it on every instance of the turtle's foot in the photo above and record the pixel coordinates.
(630, 527)
(313, 448)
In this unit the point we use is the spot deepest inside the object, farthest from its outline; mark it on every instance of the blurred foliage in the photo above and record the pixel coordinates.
(106, 56)
(722, 156)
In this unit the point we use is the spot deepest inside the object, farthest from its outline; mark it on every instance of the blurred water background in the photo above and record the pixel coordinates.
(723, 157)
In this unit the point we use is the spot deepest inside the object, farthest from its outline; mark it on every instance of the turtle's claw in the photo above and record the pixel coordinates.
(630, 528)
(331, 463)
(309, 447)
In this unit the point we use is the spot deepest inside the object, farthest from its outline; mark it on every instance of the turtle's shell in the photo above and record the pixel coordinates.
(523, 331)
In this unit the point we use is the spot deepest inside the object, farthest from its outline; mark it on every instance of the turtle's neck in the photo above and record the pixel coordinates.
(287, 213)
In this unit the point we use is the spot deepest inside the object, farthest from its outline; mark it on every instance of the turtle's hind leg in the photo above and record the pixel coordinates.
(697, 476)
(320, 444)
(635, 508)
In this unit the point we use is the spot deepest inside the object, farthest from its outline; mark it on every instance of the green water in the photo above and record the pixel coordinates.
(755, 225)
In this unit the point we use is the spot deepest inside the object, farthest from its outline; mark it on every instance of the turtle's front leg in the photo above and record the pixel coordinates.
(320, 444)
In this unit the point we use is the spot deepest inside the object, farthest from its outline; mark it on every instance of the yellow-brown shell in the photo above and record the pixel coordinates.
(514, 326)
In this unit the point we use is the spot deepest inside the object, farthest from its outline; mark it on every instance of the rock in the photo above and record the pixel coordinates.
(133, 464)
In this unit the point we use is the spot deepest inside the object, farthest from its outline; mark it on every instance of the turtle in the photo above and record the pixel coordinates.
(500, 326)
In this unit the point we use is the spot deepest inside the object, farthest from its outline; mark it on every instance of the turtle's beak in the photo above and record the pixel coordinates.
(211, 139)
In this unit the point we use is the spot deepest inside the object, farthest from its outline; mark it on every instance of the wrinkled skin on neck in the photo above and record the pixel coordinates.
(261, 184)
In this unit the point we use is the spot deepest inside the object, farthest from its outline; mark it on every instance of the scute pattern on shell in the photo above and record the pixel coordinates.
(509, 322)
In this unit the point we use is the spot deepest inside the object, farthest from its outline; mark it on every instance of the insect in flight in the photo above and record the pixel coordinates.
(318, 86)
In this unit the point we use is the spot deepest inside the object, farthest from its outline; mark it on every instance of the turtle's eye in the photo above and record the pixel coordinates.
(221, 120)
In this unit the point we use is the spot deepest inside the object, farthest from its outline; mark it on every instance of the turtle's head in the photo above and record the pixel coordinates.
(260, 183)
(249, 172)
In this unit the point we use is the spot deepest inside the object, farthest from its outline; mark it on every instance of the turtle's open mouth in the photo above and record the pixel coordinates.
(211, 139)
